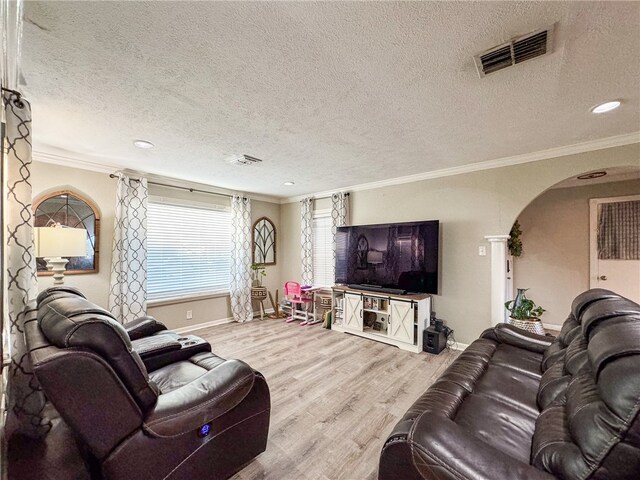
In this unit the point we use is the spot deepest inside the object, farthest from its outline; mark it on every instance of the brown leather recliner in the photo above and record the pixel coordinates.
(204, 417)
(515, 405)
(156, 345)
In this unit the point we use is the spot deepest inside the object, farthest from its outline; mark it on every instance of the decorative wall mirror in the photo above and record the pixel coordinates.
(264, 242)
(72, 210)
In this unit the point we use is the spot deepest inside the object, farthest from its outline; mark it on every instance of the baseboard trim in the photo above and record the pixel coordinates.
(213, 323)
(459, 346)
(200, 326)
(551, 326)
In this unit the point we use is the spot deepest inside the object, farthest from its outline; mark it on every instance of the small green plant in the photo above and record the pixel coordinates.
(515, 243)
(525, 310)
(258, 273)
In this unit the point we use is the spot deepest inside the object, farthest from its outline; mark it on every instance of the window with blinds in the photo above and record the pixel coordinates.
(189, 250)
(322, 254)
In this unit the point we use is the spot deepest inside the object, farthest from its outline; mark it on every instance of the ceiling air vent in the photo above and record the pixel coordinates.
(244, 160)
(517, 50)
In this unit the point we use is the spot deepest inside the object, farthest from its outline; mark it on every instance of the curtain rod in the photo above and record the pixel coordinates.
(15, 92)
(179, 188)
(326, 196)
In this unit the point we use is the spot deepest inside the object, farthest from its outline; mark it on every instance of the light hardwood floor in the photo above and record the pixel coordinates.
(334, 397)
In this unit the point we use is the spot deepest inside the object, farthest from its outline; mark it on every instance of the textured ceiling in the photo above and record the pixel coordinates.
(327, 94)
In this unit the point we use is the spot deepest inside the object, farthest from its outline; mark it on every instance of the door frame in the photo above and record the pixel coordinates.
(593, 232)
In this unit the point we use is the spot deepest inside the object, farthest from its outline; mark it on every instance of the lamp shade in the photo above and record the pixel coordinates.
(373, 256)
(60, 242)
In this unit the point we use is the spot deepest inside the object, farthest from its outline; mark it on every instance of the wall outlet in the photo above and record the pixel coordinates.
(189, 314)
(482, 251)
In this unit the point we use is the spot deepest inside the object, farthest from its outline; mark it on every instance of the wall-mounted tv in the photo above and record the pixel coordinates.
(401, 256)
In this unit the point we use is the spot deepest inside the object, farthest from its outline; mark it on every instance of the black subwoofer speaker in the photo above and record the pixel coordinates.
(433, 341)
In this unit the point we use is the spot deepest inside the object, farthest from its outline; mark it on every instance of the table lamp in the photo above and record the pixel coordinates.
(374, 257)
(53, 243)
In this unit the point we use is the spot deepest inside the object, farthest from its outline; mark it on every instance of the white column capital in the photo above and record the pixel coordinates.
(497, 238)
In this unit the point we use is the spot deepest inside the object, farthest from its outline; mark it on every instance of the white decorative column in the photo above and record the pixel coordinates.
(498, 276)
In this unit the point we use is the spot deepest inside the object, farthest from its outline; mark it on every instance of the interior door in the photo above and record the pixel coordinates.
(401, 321)
(615, 245)
(353, 312)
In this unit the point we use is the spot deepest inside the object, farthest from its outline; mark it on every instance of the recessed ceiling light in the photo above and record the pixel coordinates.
(606, 107)
(289, 183)
(143, 144)
(589, 176)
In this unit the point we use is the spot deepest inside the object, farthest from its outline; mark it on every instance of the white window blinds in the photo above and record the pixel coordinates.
(322, 254)
(189, 250)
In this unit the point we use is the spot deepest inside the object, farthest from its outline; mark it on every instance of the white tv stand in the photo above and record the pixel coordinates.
(394, 319)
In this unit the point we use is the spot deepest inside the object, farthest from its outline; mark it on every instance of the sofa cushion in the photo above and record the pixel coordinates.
(510, 387)
(553, 383)
(592, 428)
(60, 291)
(175, 375)
(585, 299)
(523, 361)
(604, 309)
(73, 321)
(470, 364)
(570, 330)
(508, 428)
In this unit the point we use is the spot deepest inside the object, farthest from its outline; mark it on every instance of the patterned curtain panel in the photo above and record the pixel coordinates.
(240, 287)
(128, 286)
(339, 218)
(25, 399)
(306, 238)
(619, 231)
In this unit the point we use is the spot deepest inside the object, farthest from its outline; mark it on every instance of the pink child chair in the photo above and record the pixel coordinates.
(293, 293)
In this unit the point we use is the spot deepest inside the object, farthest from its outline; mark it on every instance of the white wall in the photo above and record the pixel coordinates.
(101, 190)
(469, 206)
(555, 237)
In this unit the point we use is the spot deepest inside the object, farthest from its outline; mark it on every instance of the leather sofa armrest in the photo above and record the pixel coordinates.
(143, 327)
(442, 449)
(201, 401)
(505, 333)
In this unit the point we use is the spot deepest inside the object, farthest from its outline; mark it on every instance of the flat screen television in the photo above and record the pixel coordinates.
(401, 256)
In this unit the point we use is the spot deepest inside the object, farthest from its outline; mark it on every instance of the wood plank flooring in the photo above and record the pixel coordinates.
(334, 397)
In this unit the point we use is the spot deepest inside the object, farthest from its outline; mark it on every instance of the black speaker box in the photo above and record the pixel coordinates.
(433, 341)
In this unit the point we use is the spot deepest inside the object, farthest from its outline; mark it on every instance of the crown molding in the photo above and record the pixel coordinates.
(609, 142)
(67, 161)
(600, 144)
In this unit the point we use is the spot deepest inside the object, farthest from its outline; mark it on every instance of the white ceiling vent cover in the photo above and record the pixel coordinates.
(517, 50)
(245, 160)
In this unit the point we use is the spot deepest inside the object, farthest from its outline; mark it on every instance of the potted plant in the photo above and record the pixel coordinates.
(524, 313)
(258, 292)
(258, 273)
(515, 242)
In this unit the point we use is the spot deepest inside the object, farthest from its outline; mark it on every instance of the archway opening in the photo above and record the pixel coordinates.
(556, 261)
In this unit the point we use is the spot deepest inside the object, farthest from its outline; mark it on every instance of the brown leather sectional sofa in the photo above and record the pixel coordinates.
(182, 413)
(520, 406)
